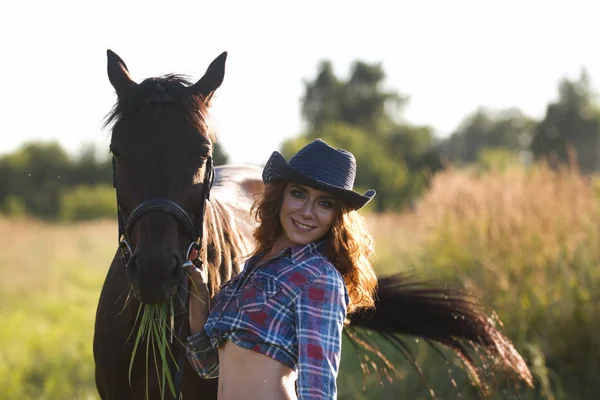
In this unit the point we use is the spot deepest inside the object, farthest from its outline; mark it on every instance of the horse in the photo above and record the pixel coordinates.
(175, 210)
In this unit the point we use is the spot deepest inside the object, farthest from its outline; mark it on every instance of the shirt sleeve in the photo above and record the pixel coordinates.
(320, 314)
(202, 356)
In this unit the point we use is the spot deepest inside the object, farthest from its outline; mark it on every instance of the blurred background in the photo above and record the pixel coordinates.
(477, 122)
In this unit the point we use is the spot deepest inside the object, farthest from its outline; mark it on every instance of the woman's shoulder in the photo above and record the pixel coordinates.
(312, 265)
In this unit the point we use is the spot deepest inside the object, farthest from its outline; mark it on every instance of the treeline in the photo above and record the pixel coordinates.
(42, 180)
(357, 113)
(397, 158)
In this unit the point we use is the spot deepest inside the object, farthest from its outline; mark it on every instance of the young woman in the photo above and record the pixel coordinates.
(275, 330)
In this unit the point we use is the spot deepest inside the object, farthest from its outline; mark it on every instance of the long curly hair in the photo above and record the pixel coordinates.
(349, 244)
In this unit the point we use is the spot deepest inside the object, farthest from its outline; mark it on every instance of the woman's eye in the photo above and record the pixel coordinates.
(297, 193)
(326, 204)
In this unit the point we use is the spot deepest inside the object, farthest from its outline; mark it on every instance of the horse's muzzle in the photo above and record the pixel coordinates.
(154, 277)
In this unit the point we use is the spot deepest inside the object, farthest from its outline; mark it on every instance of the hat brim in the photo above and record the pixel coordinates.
(277, 169)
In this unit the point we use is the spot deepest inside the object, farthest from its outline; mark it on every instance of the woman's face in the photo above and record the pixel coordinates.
(306, 214)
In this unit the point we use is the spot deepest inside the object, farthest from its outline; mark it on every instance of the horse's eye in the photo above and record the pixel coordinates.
(114, 151)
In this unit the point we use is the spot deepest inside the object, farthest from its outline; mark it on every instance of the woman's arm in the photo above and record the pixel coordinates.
(201, 354)
(320, 314)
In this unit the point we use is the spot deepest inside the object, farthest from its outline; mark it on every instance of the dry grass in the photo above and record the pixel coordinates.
(34, 252)
(526, 242)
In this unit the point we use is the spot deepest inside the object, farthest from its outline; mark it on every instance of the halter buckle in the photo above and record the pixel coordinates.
(125, 251)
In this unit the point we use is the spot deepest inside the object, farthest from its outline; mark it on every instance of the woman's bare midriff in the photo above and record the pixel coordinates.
(247, 375)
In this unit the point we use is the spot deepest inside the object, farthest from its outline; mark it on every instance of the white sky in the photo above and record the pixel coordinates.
(449, 56)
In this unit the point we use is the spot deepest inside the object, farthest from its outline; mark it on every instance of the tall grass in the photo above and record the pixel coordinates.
(529, 240)
(526, 242)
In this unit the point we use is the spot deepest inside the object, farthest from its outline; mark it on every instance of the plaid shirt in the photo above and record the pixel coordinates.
(291, 308)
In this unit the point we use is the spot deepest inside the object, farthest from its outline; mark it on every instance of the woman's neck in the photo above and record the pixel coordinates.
(281, 243)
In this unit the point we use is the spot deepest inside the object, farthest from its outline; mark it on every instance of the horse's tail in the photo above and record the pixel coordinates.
(405, 305)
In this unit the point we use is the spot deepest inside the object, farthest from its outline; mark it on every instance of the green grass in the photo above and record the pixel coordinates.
(50, 278)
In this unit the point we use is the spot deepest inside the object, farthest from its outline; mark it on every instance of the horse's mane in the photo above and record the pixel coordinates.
(227, 230)
(191, 104)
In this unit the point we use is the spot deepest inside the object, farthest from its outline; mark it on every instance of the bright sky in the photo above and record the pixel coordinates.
(449, 56)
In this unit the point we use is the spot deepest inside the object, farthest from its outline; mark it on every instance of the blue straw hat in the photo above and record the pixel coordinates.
(320, 167)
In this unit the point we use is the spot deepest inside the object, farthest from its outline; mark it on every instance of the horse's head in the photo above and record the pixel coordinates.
(162, 151)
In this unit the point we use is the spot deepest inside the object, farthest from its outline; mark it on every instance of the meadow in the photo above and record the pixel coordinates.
(525, 241)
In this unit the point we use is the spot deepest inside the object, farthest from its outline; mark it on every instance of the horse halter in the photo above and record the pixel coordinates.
(195, 229)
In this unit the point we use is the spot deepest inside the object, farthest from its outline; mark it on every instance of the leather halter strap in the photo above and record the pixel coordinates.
(168, 207)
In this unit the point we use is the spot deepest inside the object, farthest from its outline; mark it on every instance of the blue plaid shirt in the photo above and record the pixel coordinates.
(291, 308)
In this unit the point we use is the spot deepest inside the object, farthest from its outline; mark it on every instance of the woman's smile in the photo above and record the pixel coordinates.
(302, 227)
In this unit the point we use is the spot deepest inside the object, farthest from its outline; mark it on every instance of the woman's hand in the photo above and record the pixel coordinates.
(199, 299)
(199, 282)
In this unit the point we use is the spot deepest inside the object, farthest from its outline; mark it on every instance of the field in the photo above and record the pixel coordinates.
(526, 242)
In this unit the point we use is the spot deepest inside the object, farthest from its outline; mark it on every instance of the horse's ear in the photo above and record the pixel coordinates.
(212, 79)
(118, 74)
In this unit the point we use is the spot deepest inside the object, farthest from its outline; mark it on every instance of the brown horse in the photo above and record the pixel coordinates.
(171, 202)
(162, 152)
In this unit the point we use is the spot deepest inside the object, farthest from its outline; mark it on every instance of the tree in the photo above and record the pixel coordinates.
(485, 129)
(90, 168)
(362, 116)
(322, 98)
(35, 174)
(34, 178)
(571, 123)
(359, 101)
(219, 156)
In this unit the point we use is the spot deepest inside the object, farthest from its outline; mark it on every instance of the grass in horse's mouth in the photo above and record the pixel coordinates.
(156, 331)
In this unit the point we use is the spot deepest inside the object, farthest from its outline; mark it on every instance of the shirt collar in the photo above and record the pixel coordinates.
(301, 251)
(294, 253)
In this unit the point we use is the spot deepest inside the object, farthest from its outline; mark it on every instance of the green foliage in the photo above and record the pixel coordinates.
(13, 206)
(84, 203)
(219, 156)
(497, 159)
(33, 174)
(570, 130)
(485, 129)
(359, 101)
(358, 114)
(37, 176)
